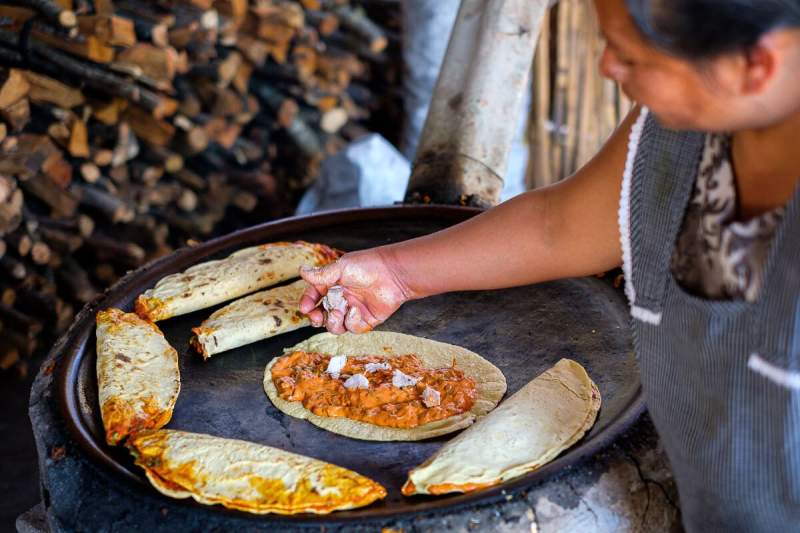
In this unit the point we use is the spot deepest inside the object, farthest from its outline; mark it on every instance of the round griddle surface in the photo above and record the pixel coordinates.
(523, 331)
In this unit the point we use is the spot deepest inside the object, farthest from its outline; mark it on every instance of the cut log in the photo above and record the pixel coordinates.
(13, 267)
(20, 242)
(11, 212)
(7, 186)
(16, 115)
(80, 45)
(112, 207)
(76, 281)
(14, 88)
(123, 253)
(62, 202)
(61, 241)
(41, 253)
(109, 29)
(156, 63)
(157, 132)
(358, 22)
(44, 89)
(52, 11)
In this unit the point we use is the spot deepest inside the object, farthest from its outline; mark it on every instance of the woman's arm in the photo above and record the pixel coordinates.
(565, 230)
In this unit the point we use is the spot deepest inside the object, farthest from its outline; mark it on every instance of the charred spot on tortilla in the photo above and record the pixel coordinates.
(383, 385)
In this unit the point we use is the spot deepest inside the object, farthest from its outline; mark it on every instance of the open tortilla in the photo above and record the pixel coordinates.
(138, 380)
(251, 319)
(240, 273)
(491, 384)
(247, 476)
(544, 418)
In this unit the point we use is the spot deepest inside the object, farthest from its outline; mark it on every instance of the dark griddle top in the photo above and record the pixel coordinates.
(523, 331)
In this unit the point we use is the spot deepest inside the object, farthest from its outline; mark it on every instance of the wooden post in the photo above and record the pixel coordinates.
(476, 104)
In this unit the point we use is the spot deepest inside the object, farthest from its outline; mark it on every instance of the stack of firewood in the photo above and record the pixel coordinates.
(129, 128)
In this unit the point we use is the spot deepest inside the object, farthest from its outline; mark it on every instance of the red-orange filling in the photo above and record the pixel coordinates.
(301, 377)
(443, 488)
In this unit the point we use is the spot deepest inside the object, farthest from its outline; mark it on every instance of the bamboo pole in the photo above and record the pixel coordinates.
(540, 171)
(574, 42)
(560, 90)
(587, 135)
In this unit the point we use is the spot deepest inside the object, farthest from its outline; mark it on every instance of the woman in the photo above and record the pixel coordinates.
(706, 227)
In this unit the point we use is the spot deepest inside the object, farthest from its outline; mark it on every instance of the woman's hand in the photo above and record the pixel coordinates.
(356, 293)
(568, 229)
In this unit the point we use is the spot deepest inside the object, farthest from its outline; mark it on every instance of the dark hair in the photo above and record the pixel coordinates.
(699, 29)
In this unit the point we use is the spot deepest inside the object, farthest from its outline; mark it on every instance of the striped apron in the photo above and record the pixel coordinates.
(722, 378)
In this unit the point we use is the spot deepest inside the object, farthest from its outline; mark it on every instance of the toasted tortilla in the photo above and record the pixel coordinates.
(138, 379)
(544, 418)
(240, 273)
(246, 476)
(491, 384)
(251, 319)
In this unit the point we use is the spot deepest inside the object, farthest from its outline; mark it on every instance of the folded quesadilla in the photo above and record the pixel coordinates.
(240, 273)
(137, 374)
(383, 386)
(251, 319)
(544, 418)
(246, 476)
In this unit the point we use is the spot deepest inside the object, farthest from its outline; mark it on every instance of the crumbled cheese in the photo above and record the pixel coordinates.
(336, 364)
(402, 380)
(374, 367)
(431, 397)
(334, 299)
(356, 381)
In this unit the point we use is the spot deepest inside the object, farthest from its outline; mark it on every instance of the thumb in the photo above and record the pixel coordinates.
(322, 276)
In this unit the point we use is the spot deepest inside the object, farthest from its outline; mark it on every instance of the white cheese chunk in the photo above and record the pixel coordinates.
(431, 397)
(402, 380)
(336, 364)
(374, 367)
(356, 381)
(334, 299)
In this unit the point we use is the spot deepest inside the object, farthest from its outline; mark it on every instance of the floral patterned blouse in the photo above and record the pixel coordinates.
(716, 256)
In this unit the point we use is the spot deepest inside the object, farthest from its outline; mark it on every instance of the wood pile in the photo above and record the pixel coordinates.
(129, 128)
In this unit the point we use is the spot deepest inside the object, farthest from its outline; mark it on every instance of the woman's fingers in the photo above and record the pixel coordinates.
(309, 300)
(334, 298)
(335, 322)
(359, 318)
(316, 317)
(319, 280)
(322, 276)
(355, 322)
